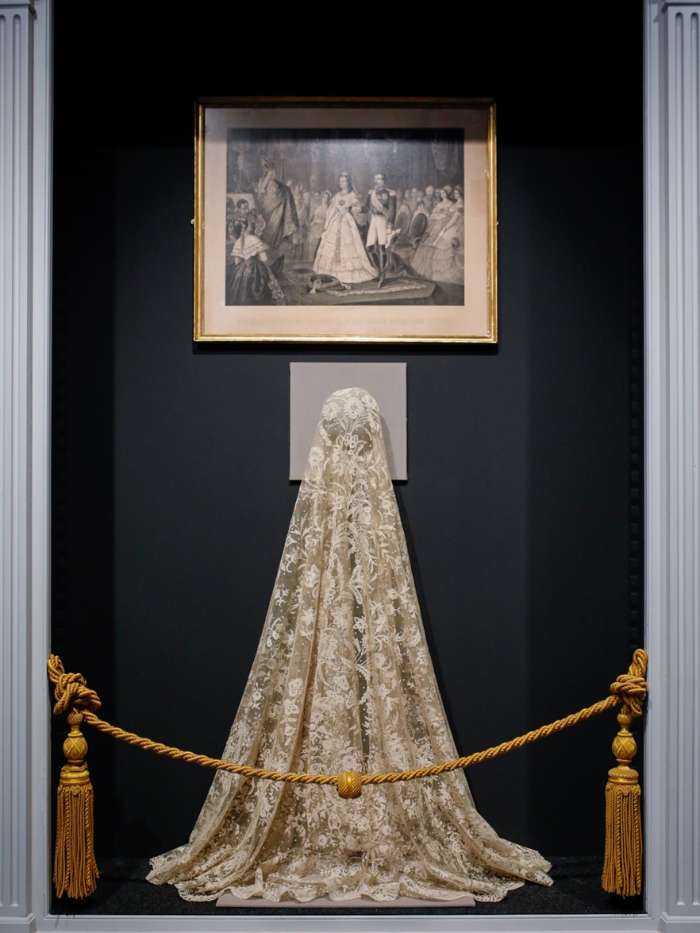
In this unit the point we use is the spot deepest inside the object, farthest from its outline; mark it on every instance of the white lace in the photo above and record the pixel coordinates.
(342, 680)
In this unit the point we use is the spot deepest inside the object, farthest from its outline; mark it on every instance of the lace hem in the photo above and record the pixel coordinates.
(364, 887)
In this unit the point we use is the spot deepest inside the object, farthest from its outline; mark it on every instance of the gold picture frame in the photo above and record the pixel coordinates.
(305, 233)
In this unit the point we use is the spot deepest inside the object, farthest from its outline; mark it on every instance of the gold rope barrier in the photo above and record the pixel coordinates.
(622, 873)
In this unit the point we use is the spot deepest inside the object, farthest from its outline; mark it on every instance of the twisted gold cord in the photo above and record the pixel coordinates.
(391, 777)
(629, 690)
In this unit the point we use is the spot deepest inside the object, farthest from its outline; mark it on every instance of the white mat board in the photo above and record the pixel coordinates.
(312, 383)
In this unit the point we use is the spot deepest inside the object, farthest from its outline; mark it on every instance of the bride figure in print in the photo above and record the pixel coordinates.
(341, 252)
(342, 680)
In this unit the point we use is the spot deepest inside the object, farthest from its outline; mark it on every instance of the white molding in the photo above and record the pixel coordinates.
(656, 810)
(18, 924)
(40, 439)
(672, 772)
(526, 923)
(16, 53)
(25, 233)
(672, 178)
(679, 924)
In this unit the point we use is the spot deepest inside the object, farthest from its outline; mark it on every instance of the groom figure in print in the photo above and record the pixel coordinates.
(381, 205)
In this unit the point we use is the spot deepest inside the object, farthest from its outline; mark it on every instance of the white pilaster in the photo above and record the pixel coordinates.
(673, 457)
(24, 438)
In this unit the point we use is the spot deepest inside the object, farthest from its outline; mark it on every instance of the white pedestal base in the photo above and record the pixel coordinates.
(228, 900)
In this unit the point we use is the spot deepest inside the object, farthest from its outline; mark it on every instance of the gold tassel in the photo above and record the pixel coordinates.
(622, 869)
(74, 869)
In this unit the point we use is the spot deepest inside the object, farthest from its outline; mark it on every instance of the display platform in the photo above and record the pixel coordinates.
(122, 890)
(357, 903)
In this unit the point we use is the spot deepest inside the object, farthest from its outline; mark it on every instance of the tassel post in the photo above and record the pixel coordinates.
(74, 869)
(622, 869)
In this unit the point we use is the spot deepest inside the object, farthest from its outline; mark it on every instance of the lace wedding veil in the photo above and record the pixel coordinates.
(342, 680)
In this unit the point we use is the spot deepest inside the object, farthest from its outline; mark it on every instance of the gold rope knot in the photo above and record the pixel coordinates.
(71, 691)
(632, 688)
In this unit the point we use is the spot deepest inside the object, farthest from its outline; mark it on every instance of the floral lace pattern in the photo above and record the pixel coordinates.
(342, 680)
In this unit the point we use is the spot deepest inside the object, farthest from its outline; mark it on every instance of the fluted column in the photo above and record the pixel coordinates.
(673, 458)
(24, 420)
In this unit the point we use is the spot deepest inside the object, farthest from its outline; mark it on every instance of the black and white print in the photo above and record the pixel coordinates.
(344, 217)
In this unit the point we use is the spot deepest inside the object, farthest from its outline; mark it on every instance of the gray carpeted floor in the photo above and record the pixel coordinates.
(576, 890)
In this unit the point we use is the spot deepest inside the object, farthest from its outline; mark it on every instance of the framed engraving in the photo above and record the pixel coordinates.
(345, 220)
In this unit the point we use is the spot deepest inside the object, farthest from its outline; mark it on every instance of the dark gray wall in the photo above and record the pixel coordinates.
(171, 500)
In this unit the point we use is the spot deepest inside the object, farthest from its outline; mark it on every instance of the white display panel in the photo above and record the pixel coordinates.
(312, 383)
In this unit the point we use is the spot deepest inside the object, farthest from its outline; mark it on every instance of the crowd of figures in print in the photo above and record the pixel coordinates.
(336, 217)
